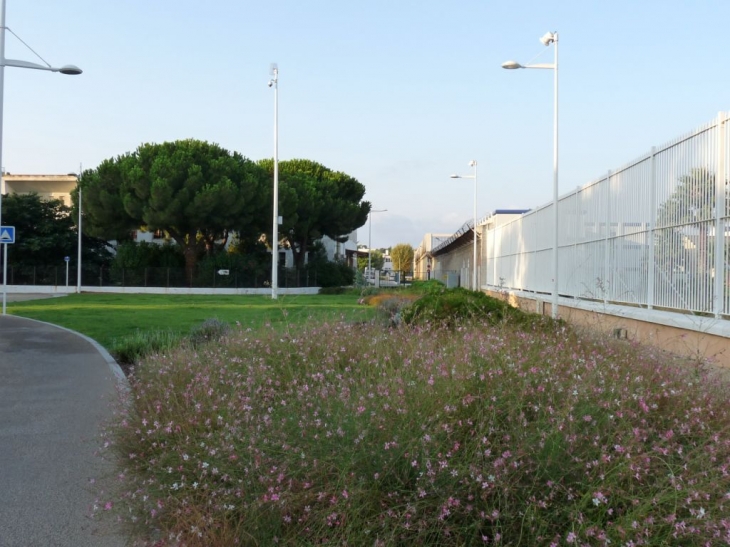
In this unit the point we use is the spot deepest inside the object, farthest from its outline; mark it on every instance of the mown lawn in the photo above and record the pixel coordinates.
(110, 317)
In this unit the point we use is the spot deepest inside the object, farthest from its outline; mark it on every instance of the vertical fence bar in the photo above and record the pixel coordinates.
(607, 245)
(719, 288)
(652, 230)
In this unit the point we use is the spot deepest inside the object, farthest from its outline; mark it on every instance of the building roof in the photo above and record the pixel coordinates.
(465, 234)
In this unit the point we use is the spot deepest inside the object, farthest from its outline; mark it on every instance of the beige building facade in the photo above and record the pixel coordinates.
(46, 186)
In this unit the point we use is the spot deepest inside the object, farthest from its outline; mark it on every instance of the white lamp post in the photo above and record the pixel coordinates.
(474, 281)
(547, 39)
(370, 234)
(66, 69)
(78, 270)
(274, 82)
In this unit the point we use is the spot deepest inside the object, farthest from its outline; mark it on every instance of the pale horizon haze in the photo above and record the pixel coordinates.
(399, 94)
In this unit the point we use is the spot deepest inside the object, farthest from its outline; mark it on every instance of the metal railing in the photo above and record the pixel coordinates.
(158, 277)
(654, 233)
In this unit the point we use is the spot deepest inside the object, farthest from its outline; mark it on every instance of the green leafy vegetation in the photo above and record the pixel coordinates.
(402, 257)
(449, 307)
(315, 201)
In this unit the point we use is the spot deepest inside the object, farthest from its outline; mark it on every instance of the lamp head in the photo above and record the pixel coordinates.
(455, 177)
(472, 163)
(548, 38)
(510, 65)
(274, 71)
(71, 70)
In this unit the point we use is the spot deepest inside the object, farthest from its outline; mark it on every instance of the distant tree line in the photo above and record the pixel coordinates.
(213, 206)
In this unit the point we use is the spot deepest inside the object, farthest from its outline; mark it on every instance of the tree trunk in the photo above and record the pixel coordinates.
(299, 252)
(191, 259)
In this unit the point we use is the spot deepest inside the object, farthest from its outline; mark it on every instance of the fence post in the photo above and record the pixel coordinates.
(720, 206)
(606, 259)
(651, 270)
(575, 290)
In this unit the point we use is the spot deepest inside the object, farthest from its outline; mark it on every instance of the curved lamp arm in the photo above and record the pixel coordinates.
(66, 69)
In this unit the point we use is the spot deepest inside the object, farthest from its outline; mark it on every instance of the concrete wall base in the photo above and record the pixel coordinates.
(698, 338)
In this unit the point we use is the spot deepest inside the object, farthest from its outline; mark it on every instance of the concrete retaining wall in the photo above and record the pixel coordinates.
(696, 337)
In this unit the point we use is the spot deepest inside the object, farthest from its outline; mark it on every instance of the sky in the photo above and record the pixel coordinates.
(399, 94)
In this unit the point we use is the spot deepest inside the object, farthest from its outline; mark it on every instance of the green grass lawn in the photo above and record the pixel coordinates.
(109, 317)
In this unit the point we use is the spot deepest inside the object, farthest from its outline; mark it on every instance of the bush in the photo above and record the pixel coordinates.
(133, 255)
(449, 307)
(129, 350)
(332, 274)
(432, 286)
(210, 330)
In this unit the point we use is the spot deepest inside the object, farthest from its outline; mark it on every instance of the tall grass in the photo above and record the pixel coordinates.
(480, 435)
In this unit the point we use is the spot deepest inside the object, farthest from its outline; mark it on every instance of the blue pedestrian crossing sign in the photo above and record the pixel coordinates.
(7, 234)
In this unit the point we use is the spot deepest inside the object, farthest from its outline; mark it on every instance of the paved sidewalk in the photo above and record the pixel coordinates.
(56, 387)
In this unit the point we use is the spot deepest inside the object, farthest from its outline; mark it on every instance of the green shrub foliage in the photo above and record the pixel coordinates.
(209, 330)
(449, 307)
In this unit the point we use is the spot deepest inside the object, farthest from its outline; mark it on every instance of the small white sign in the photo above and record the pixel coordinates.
(223, 272)
(7, 234)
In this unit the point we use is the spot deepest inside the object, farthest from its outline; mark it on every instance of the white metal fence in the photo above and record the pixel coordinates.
(644, 234)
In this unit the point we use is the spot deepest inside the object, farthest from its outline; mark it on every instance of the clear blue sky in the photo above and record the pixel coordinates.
(397, 93)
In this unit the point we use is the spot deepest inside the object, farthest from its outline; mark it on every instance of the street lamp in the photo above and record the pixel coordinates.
(370, 234)
(66, 69)
(547, 39)
(78, 269)
(473, 163)
(274, 82)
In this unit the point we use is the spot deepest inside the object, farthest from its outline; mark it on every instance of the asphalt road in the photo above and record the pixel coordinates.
(56, 389)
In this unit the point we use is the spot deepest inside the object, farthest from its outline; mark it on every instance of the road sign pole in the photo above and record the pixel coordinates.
(5, 274)
(7, 235)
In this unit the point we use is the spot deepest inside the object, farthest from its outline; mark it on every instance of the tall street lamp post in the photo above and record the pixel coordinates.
(66, 69)
(474, 280)
(547, 39)
(274, 82)
(78, 270)
(370, 233)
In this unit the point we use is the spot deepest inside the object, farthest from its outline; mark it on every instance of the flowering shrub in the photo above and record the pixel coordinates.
(354, 434)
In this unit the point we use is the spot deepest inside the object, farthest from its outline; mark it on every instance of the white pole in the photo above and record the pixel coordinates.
(555, 185)
(67, 265)
(78, 273)
(370, 235)
(2, 180)
(5, 273)
(370, 239)
(275, 234)
(475, 282)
